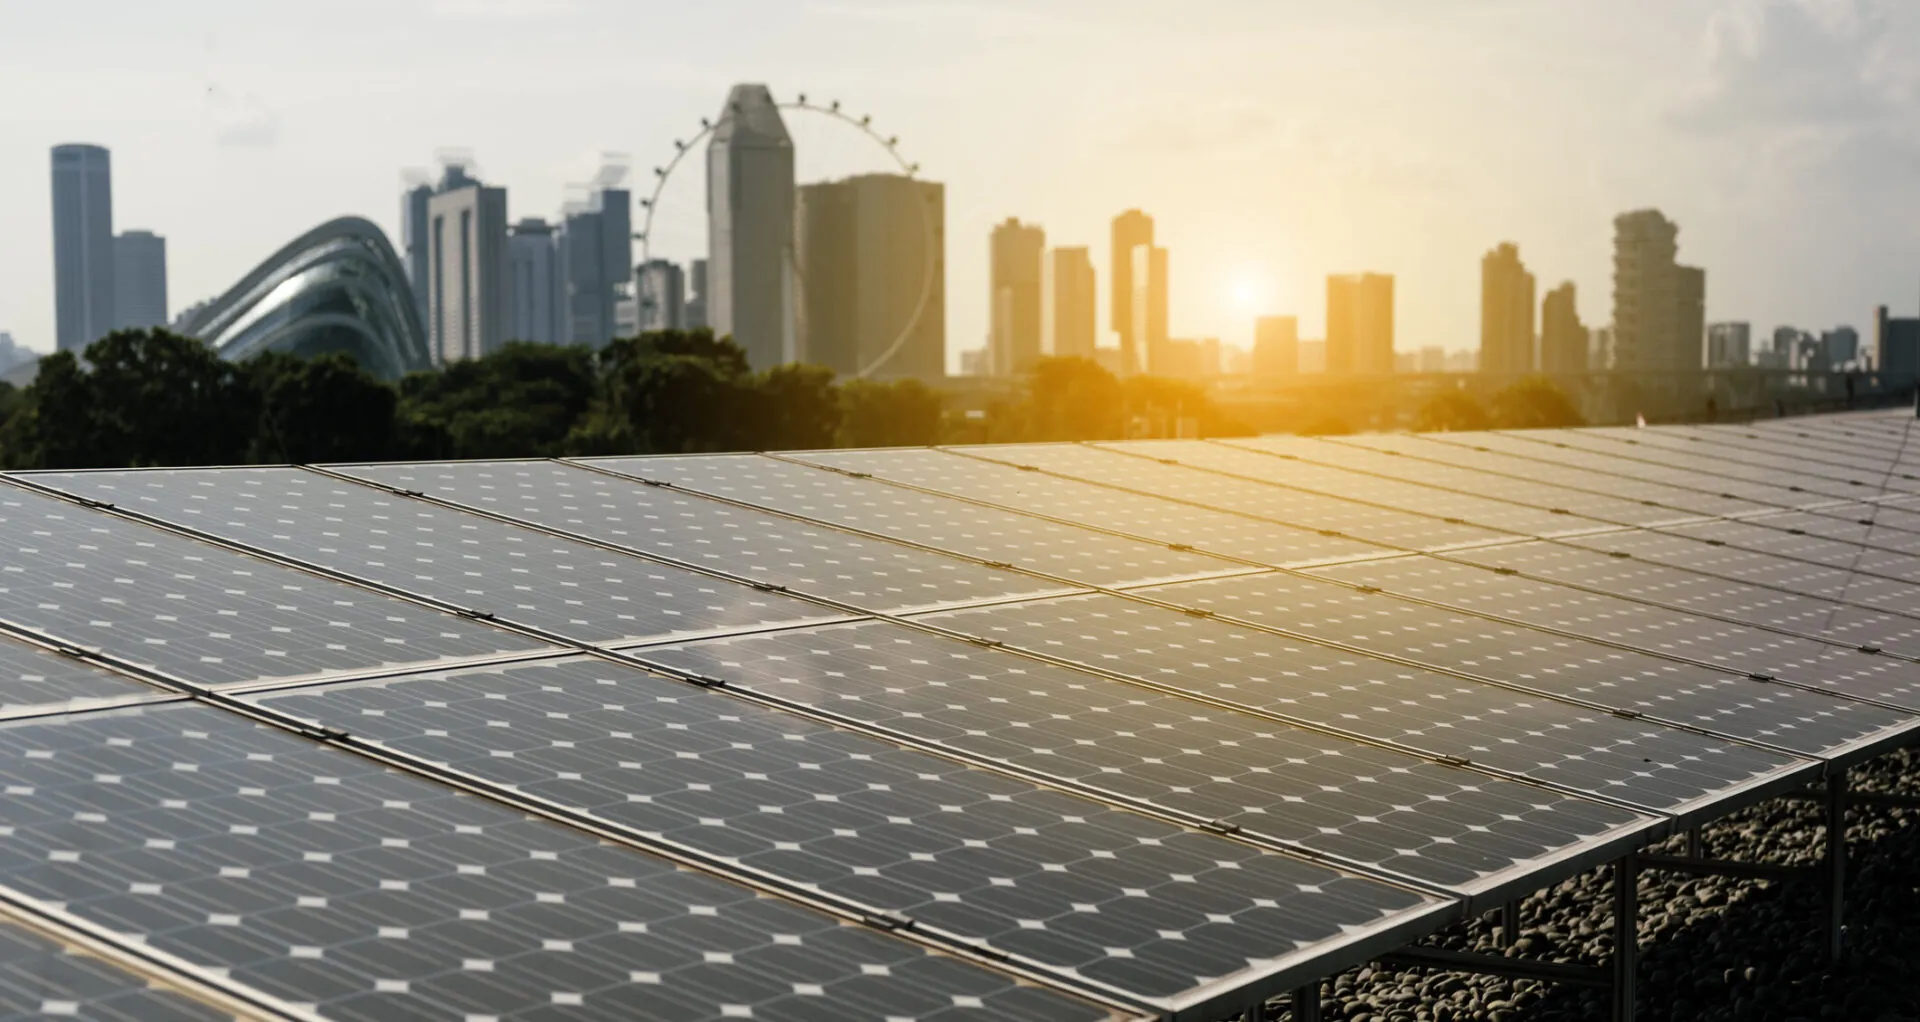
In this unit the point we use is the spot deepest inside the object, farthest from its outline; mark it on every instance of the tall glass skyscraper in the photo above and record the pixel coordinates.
(82, 245)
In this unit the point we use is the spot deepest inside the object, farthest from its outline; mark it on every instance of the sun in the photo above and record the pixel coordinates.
(1246, 292)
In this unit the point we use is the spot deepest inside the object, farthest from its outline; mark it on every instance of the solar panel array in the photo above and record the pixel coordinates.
(1056, 731)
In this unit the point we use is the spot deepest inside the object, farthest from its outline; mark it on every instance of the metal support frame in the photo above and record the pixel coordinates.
(1626, 936)
(1305, 1003)
(1836, 864)
(1510, 923)
(1696, 848)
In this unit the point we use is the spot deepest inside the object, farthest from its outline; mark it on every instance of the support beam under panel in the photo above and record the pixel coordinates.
(1626, 936)
(1836, 864)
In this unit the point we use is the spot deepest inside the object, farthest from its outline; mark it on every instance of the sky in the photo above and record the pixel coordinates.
(1273, 141)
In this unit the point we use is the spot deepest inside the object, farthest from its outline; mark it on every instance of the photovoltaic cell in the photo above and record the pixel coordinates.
(929, 520)
(201, 612)
(1837, 461)
(584, 592)
(1556, 446)
(1717, 700)
(1847, 472)
(1590, 751)
(1052, 878)
(1295, 507)
(35, 680)
(838, 565)
(324, 879)
(1368, 805)
(1655, 629)
(1877, 526)
(1099, 506)
(1759, 534)
(41, 978)
(1703, 462)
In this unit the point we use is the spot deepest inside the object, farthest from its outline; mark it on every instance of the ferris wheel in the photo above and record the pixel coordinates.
(863, 129)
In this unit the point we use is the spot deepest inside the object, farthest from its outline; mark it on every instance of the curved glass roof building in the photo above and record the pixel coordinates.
(338, 287)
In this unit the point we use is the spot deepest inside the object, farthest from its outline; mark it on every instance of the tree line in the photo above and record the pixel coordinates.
(142, 398)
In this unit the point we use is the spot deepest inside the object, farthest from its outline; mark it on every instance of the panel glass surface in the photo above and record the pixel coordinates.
(1696, 458)
(41, 978)
(1864, 481)
(1735, 647)
(1617, 461)
(35, 680)
(940, 522)
(584, 592)
(1835, 452)
(1364, 804)
(1638, 577)
(1101, 507)
(1278, 503)
(1761, 534)
(1881, 526)
(1722, 701)
(1586, 750)
(204, 613)
(1052, 878)
(764, 547)
(324, 879)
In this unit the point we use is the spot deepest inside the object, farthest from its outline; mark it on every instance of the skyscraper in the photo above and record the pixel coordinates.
(1659, 306)
(697, 317)
(1360, 323)
(416, 244)
(1563, 340)
(469, 300)
(1728, 345)
(750, 196)
(1506, 313)
(536, 310)
(1896, 345)
(1015, 296)
(1131, 230)
(663, 295)
(596, 263)
(1276, 347)
(872, 257)
(1149, 331)
(1073, 303)
(139, 280)
(82, 245)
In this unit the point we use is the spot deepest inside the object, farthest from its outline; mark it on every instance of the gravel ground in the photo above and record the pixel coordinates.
(1712, 948)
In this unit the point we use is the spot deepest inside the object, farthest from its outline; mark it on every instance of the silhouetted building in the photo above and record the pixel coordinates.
(663, 296)
(697, 295)
(1659, 307)
(1432, 359)
(1313, 356)
(1150, 310)
(1014, 282)
(1132, 229)
(976, 362)
(1896, 345)
(1840, 347)
(872, 258)
(1506, 313)
(416, 248)
(537, 311)
(1276, 346)
(596, 265)
(1600, 349)
(1360, 324)
(1073, 303)
(1729, 345)
(749, 289)
(139, 280)
(1189, 359)
(1563, 339)
(83, 290)
(469, 301)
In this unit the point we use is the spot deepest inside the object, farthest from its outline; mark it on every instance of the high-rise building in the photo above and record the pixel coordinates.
(1896, 345)
(1313, 356)
(1360, 323)
(1659, 306)
(872, 258)
(469, 302)
(1729, 345)
(1506, 313)
(536, 310)
(414, 239)
(1014, 277)
(11, 353)
(750, 199)
(596, 264)
(663, 295)
(1276, 346)
(1150, 311)
(82, 245)
(1564, 342)
(139, 280)
(1073, 303)
(1132, 229)
(1839, 347)
(697, 295)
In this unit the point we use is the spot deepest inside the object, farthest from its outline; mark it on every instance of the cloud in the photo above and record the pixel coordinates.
(1786, 64)
(242, 122)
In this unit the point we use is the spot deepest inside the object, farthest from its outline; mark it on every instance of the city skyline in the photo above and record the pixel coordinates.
(1686, 106)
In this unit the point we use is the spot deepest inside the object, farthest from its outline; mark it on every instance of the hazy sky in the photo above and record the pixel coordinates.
(1275, 141)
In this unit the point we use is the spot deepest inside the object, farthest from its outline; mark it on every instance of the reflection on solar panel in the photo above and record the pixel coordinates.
(1062, 731)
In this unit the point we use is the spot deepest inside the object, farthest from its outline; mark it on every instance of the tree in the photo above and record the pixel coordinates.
(1534, 403)
(321, 409)
(900, 413)
(1451, 410)
(521, 401)
(1073, 399)
(790, 407)
(674, 404)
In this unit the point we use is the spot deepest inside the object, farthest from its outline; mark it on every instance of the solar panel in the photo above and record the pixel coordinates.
(1558, 447)
(752, 544)
(1146, 466)
(1099, 507)
(41, 978)
(1850, 555)
(585, 592)
(203, 612)
(939, 522)
(1583, 750)
(1638, 625)
(1837, 460)
(1880, 526)
(327, 880)
(1361, 803)
(35, 680)
(1697, 458)
(1057, 880)
(1723, 701)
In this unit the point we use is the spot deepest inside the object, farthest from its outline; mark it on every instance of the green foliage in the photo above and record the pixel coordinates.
(519, 402)
(1075, 399)
(791, 407)
(1451, 411)
(320, 410)
(900, 413)
(1535, 403)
